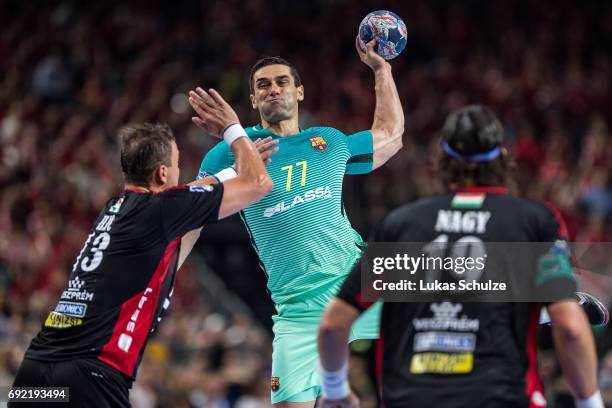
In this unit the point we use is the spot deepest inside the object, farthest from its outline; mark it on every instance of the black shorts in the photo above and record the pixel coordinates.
(458, 396)
(91, 383)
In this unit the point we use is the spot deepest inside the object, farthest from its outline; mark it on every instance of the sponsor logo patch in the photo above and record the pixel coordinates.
(201, 189)
(444, 341)
(318, 143)
(74, 291)
(445, 310)
(61, 321)
(446, 317)
(75, 295)
(319, 193)
(442, 363)
(71, 309)
(125, 340)
(75, 284)
(117, 206)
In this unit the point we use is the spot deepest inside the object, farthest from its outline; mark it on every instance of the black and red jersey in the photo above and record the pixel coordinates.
(451, 353)
(121, 282)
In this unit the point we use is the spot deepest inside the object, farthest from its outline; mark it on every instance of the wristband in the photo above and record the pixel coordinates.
(225, 174)
(233, 133)
(594, 401)
(334, 383)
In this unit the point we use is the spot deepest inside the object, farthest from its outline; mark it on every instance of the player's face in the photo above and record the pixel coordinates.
(275, 94)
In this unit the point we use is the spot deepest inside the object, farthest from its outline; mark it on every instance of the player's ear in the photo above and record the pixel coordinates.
(253, 101)
(300, 93)
(160, 177)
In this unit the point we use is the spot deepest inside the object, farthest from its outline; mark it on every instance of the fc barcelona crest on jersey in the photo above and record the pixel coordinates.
(318, 143)
(275, 384)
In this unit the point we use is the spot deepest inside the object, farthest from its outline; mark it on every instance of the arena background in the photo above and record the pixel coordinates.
(72, 72)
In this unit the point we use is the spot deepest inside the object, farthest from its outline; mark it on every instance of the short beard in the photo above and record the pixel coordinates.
(276, 116)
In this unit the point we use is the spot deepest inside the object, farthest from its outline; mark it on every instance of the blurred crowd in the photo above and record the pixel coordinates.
(74, 72)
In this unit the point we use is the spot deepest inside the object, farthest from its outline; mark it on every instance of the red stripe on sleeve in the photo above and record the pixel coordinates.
(533, 383)
(379, 365)
(562, 232)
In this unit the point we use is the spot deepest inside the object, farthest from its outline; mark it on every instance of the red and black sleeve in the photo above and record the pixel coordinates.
(185, 208)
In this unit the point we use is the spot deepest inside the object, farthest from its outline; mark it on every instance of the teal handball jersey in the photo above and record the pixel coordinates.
(300, 230)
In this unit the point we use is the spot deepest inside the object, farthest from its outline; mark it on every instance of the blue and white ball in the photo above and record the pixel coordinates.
(388, 28)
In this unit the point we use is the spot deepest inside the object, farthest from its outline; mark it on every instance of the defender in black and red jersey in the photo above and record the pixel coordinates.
(458, 354)
(121, 282)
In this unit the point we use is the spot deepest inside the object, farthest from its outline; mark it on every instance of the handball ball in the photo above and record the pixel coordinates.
(388, 28)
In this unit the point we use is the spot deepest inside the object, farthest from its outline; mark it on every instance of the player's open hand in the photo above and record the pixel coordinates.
(214, 114)
(370, 57)
(349, 402)
(266, 148)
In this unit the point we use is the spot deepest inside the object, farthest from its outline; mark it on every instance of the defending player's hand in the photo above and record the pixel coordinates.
(349, 402)
(370, 57)
(266, 148)
(215, 115)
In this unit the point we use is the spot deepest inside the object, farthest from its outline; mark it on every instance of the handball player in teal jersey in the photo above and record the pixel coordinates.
(300, 231)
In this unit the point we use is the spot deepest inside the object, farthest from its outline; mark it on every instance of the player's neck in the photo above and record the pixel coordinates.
(141, 189)
(283, 128)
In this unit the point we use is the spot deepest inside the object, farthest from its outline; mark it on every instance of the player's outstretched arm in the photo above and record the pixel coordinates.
(252, 182)
(333, 337)
(388, 125)
(575, 349)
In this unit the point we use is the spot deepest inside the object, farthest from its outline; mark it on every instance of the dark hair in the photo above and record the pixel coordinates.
(265, 61)
(495, 172)
(144, 147)
(470, 131)
(473, 129)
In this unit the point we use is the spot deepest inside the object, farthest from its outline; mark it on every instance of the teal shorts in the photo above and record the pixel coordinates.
(295, 376)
